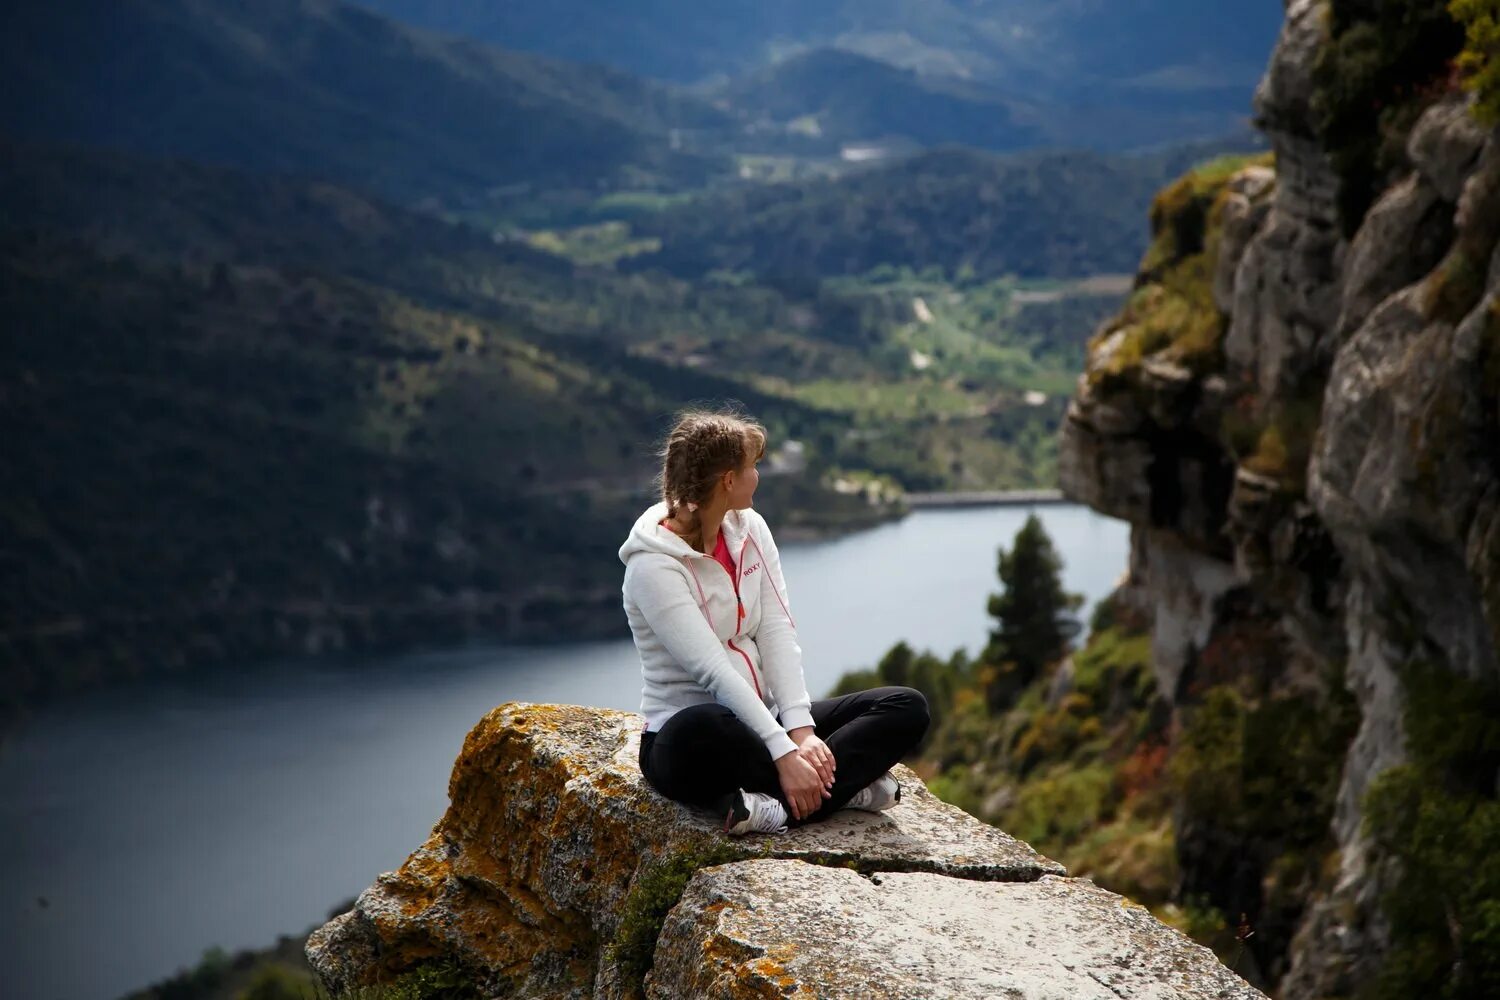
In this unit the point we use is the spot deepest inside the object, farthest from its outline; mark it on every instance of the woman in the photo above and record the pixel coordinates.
(729, 723)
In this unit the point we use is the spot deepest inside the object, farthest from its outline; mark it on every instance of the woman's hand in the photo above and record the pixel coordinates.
(800, 784)
(816, 752)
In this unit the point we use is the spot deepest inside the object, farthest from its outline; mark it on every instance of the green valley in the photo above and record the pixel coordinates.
(265, 413)
(283, 391)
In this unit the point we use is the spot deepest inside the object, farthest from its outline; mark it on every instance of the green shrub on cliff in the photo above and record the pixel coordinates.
(1264, 767)
(1208, 760)
(1076, 766)
(1063, 805)
(1480, 59)
(1111, 683)
(1087, 771)
(1437, 820)
(1383, 63)
(1255, 767)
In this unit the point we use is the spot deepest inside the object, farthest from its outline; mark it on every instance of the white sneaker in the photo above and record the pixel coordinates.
(753, 812)
(878, 796)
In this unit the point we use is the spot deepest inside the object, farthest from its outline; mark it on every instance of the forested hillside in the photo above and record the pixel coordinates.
(1052, 215)
(260, 412)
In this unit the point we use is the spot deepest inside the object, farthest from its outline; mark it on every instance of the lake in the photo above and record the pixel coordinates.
(147, 822)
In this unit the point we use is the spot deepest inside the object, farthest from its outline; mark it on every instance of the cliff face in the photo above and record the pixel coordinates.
(556, 872)
(1318, 465)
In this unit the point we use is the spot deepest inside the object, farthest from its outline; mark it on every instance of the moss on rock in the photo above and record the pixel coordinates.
(653, 892)
(1283, 438)
(1172, 313)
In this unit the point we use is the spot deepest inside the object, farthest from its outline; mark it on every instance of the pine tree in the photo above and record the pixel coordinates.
(1034, 615)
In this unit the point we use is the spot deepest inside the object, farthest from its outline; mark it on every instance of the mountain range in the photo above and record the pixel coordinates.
(836, 96)
(326, 89)
(520, 100)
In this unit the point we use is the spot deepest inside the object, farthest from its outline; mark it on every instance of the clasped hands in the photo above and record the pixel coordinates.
(806, 772)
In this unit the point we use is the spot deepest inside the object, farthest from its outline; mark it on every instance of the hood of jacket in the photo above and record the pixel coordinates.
(646, 535)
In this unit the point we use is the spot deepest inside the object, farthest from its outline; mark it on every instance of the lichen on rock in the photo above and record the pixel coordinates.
(555, 862)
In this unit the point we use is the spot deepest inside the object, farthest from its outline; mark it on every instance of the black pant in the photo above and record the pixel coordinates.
(704, 752)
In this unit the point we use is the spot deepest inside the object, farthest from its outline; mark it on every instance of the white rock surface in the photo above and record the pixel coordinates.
(784, 928)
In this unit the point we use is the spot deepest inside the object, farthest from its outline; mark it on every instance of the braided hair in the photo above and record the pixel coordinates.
(702, 446)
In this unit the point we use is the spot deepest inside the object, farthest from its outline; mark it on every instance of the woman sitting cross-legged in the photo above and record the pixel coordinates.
(729, 724)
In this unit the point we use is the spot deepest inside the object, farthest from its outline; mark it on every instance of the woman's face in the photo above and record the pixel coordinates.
(740, 485)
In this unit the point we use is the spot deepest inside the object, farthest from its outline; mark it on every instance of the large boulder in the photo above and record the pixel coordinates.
(551, 869)
(555, 867)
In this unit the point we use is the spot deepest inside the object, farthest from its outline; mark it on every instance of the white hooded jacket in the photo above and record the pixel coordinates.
(697, 644)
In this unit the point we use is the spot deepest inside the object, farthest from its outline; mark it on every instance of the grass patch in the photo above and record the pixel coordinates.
(627, 205)
(600, 244)
(1182, 222)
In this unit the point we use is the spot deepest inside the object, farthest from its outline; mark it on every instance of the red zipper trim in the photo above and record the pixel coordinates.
(739, 571)
(739, 568)
(734, 578)
(753, 678)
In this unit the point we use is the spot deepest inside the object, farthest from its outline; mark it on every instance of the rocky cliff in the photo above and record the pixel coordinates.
(556, 872)
(1299, 414)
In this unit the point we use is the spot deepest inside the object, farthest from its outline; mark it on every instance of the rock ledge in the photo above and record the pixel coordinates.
(555, 866)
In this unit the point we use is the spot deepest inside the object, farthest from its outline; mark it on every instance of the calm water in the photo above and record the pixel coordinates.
(140, 826)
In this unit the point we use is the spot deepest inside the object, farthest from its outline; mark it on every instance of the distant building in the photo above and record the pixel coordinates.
(860, 154)
(789, 458)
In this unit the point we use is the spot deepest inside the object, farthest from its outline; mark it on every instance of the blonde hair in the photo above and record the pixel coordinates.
(701, 447)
